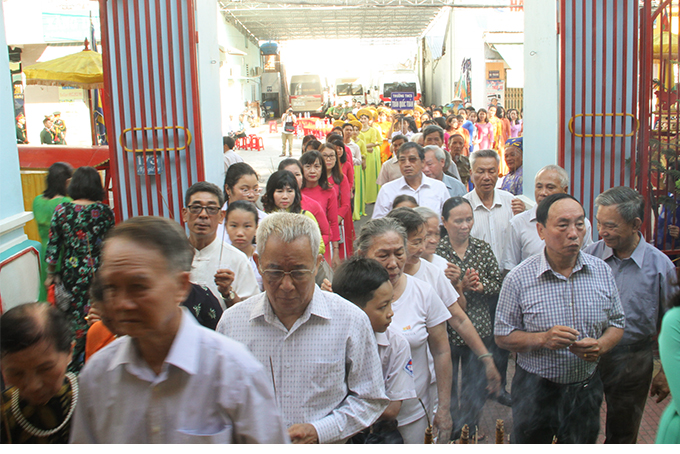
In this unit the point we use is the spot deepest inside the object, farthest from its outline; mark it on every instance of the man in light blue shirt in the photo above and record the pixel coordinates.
(433, 167)
(645, 278)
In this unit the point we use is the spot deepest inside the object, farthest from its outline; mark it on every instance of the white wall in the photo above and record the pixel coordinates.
(466, 40)
(541, 89)
(236, 90)
(207, 19)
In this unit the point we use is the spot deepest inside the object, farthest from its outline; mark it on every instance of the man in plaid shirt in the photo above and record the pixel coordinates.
(560, 311)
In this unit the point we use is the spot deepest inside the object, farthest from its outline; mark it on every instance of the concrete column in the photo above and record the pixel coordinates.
(541, 88)
(19, 265)
(207, 19)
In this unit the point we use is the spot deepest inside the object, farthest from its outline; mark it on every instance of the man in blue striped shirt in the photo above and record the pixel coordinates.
(559, 310)
(645, 278)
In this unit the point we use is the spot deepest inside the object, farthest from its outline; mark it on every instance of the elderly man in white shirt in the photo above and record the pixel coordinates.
(493, 208)
(522, 237)
(319, 347)
(218, 265)
(427, 191)
(166, 379)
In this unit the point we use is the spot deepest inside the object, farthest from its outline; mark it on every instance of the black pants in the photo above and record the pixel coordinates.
(466, 406)
(500, 356)
(542, 409)
(626, 373)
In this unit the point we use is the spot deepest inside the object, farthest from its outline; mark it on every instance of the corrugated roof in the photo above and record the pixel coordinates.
(333, 19)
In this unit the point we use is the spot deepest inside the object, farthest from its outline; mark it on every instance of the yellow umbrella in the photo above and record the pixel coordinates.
(669, 50)
(82, 69)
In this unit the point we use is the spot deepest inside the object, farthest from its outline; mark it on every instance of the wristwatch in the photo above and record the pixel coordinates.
(231, 296)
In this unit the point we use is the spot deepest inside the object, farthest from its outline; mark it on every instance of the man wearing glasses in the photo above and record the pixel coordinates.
(217, 265)
(319, 348)
(427, 191)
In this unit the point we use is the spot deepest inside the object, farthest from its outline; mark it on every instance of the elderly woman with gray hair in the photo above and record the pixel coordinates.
(420, 315)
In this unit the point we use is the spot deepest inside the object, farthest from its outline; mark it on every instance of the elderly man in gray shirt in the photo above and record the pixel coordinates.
(645, 278)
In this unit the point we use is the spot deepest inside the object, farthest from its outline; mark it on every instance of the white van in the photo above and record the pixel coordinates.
(397, 82)
(307, 94)
(349, 89)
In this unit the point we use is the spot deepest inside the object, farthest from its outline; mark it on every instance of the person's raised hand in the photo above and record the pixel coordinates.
(517, 206)
(452, 273)
(587, 349)
(559, 337)
(223, 279)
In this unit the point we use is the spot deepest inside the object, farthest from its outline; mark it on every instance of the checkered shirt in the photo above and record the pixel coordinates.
(534, 298)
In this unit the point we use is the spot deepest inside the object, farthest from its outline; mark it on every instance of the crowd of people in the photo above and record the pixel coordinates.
(275, 320)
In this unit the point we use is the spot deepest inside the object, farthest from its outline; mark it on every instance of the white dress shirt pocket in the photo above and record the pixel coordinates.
(193, 437)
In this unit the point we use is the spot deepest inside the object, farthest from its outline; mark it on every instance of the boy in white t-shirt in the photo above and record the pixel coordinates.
(366, 283)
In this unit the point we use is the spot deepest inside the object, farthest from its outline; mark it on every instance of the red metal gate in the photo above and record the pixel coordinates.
(598, 102)
(619, 121)
(152, 108)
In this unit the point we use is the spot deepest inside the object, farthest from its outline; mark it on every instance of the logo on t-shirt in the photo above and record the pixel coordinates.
(409, 367)
(406, 328)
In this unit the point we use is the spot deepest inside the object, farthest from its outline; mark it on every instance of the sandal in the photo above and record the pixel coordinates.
(282, 155)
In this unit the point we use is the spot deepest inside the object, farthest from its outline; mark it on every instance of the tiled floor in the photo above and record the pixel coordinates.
(493, 411)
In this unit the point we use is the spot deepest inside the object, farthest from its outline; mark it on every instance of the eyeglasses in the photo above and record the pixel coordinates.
(328, 157)
(276, 276)
(246, 191)
(197, 209)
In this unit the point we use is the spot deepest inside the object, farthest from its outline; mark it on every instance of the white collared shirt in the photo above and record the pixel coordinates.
(522, 240)
(397, 365)
(230, 157)
(356, 152)
(389, 171)
(431, 193)
(210, 390)
(491, 224)
(326, 368)
(207, 261)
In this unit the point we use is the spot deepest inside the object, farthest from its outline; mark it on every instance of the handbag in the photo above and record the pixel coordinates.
(289, 127)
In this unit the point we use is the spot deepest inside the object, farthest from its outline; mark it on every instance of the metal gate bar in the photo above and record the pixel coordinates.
(598, 118)
(153, 108)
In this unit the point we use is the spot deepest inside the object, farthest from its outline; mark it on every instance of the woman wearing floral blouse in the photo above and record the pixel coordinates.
(473, 271)
(76, 234)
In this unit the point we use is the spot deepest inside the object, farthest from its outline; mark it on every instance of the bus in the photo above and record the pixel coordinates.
(308, 94)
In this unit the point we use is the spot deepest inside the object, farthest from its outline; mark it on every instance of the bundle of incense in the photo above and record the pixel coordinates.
(500, 432)
(464, 435)
(429, 439)
(428, 436)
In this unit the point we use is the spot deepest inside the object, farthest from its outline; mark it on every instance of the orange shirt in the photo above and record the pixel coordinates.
(98, 337)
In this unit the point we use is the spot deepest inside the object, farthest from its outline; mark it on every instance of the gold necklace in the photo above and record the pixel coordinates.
(30, 428)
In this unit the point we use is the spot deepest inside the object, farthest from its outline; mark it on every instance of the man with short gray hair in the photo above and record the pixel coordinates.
(320, 348)
(433, 167)
(522, 240)
(645, 278)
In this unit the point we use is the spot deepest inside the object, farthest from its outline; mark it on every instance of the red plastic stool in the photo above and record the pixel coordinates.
(273, 126)
(257, 143)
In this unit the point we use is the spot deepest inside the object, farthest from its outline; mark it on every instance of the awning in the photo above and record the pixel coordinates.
(513, 54)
